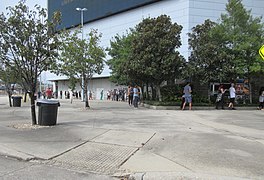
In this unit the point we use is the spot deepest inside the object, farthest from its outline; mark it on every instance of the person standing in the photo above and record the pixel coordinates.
(61, 94)
(220, 97)
(232, 94)
(140, 96)
(261, 98)
(80, 94)
(130, 95)
(108, 95)
(90, 95)
(114, 95)
(39, 95)
(77, 95)
(68, 95)
(49, 93)
(44, 94)
(102, 95)
(188, 96)
(182, 101)
(135, 96)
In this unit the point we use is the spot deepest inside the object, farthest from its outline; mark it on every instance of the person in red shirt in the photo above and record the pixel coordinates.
(49, 93)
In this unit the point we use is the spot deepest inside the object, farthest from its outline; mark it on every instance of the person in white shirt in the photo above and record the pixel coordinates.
(135, 96)
(261, 99)
(232, 94)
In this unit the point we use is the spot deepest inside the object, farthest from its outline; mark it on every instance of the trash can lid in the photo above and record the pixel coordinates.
(46, 101)
(20, 97)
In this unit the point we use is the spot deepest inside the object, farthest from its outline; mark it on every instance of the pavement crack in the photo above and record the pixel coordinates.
(100, 135)
(68, 150)
(175, 162)
(81, 144)
(129, 157)
(143, 144)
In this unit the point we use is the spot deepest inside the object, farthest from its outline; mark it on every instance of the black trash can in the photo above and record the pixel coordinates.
(48, 109)
(16, 101)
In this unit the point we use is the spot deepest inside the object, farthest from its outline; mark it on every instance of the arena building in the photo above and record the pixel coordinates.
(113, 17)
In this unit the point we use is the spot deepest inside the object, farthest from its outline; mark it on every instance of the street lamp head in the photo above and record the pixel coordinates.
(81, 9)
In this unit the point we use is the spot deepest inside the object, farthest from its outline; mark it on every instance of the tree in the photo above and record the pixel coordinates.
(120, 52)
(29, 45)
(72, 86)
(208, 61)
(242, 36)
(81, 59)
(227, 50)
(8, 76)
(148, 54)
(155, 58)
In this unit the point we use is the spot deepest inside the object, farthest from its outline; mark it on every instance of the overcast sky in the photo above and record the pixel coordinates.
(30, 3)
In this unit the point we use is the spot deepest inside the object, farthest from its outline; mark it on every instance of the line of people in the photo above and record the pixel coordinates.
(232, 96)
(67, 94)
(187, 97)
(220, 97)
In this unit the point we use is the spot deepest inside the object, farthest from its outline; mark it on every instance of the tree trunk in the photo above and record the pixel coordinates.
(9, 98)
(25, 97)
(147, 91)
(86, 94)
(158, 92)
(141, 95)
(33, 109)
(71, 96)
(153, 92)
(250, 87)
(250, 93)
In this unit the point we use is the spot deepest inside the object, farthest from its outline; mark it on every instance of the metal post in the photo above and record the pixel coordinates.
(81, 10)
(40, 83)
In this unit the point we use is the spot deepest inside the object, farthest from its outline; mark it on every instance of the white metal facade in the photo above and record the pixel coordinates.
(187, 13)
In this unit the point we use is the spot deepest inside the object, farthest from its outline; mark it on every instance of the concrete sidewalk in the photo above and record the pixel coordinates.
(113, 140)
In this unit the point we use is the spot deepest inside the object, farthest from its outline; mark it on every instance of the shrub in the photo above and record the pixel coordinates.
(171, 93)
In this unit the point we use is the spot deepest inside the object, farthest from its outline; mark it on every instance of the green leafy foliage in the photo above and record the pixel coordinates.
(8, 76)
(120, 52)
(80, 58)
(229, 49)
(154, 51)
(28, 45)
(148, 54)
(243, 36)
(171, 93)
(206, 61)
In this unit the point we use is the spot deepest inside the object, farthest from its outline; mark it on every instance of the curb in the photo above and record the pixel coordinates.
(194, 107)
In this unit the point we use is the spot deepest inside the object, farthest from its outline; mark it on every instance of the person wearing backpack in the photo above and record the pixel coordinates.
(220, 97)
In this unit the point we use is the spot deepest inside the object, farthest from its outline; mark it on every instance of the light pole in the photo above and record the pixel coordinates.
(81, 10)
